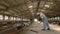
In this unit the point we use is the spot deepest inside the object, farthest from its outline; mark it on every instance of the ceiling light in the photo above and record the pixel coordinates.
(30, 6)
(47, 6)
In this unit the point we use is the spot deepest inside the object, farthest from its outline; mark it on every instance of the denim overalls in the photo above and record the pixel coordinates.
(45, 22)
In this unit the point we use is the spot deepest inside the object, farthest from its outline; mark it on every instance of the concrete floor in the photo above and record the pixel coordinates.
(35, 28)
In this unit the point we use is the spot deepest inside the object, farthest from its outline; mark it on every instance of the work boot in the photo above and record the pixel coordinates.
(48, 29)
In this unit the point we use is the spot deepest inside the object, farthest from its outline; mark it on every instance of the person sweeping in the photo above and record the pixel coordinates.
(45, 21)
